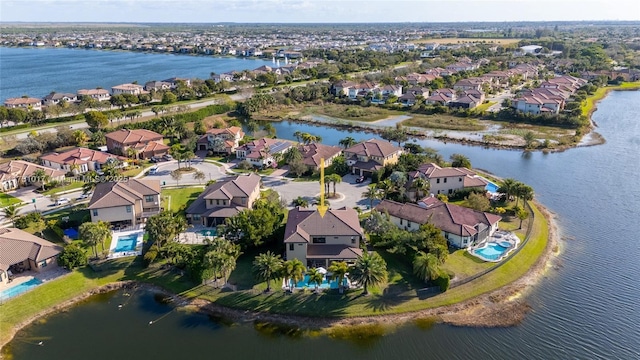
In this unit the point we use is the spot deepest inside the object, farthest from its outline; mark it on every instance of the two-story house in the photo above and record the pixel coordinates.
(80, 160)
(27, 103)
(221, 140)
(125, 202)
(444, 180)
(461, 226)
(223, 199)
(312, 153)
(317, 240)
(131, 89)
(146, 142)
(16, 173)
(370, 156)
(96, 94)
(260, 153)
(55, 98)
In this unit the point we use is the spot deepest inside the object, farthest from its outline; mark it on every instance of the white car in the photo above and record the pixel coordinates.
(62, 201)
(83, 196)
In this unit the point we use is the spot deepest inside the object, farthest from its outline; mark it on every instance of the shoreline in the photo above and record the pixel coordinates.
(502, 307)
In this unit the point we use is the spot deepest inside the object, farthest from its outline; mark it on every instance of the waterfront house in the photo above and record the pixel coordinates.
(27, 103)
(146, 143)
(317, 240)
(175, 81)
(312, 153)
(80, 160)
(125, 202)
(372, 155)
(55, 98)
(221, 140)
(131, 89)
(444, 180)
(461, 226)
(260, 153)
(157, 85)
(96, 94)
(16, 173)
(21, 251)
(223, 199)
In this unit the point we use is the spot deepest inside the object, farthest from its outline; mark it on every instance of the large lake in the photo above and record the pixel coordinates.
(586, 308)
(38, 71)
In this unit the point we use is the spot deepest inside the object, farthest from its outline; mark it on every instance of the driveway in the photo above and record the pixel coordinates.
(210, 170)
(350, 192)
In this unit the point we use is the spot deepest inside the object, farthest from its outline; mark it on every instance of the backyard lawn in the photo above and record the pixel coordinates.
(6, 200)
(177, 199)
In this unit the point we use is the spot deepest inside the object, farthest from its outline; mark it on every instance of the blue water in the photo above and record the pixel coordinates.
(209, 232)
(19, 289)
(492, 251)
(491, 187)
(37, 72)
(326, 283)
(72, 233)
(126, 243)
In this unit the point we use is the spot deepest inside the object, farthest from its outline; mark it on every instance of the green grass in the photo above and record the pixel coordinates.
(176, 199)
(444, 121)
(133, 172)
(268, 171)
(347, 112)
(483, 107)
(6, 200)
(463, 264)
(74, 185)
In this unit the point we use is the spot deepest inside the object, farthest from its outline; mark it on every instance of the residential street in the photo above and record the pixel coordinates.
(210, 170)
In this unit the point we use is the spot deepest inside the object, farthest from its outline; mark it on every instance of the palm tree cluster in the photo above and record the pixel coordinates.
(94, 233)
(307, 138)
(221, 257)
(332, 179)
(512, 188)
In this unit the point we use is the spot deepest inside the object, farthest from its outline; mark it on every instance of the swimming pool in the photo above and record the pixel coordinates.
(326, 283)
(491, 251)
(19, 289)
(126, 243)
(491, 187)
(209, 232)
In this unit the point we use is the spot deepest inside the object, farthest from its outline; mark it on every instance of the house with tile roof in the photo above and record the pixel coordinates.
(131, 89)
(444, 180)
(97, 94)
(260, 153)
(317, 240)
(312, 153)
(27, 103)
(223, 199)
(147, 143)
(16, 173)
(54, 98)
(80, 160)
(461, 226)
(20, 251)
(221, 140)
(126, 203)
(372, 155)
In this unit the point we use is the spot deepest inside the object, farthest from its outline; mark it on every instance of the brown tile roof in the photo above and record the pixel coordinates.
(130, 137)
(17, 245)
(373, 147)
(432, 170)
(21, 101)
(449, 218)
(23, 169)
(314, 152)
(333, 251)
(225, 189)
(110, 194)
(80, 156)
(302, 224)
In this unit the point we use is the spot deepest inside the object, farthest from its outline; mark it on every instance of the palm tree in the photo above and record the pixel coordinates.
(94, 234)
(386, 187)
(188, 156)
(298, 135)
(347, 142)
(372, 193)
(293, 272)
(199, 175)
(90, 179)
(369, 269)
(41, 176)
(524, 192)
(522, 214)
(460, 161)
(11, 212)
(335, 179)
(301, 202)
(131, 152)
(421, 186)
(176, 175)
(315, 277)
(338, 270)
(266, 267)
(425, 266)
(508, 188)
(80, 137)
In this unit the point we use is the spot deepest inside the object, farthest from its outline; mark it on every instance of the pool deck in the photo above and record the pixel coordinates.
(193, 235)
(45, 275)
(114, 243)
(499, 237)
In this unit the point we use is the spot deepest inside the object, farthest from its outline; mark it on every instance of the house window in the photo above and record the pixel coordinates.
(244, 201)
(437, 181)
(148, 198)
(450, 191)
(43, 264)
(210, 202)
(353, 240)
(319, 240)
(196, 217)
(445, 180)
(128, 208)
(291, 247)
(95, 212)
(459, 179)
(408, 223)
(217, 202)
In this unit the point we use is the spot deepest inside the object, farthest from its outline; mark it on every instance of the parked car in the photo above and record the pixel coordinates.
(360, 179)
(155, 159)
(84, 196)
(153, 170)
(167, 157)
(62, 201)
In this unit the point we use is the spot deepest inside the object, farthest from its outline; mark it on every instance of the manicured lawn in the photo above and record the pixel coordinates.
(268, 171)
(134, 171)
(176, 199)
(6, 200)
(483, 107)
(463, 264)
(74, 185)
(351, 112)
(444, 121)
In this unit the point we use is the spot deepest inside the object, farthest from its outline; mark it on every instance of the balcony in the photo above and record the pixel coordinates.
(149, 212)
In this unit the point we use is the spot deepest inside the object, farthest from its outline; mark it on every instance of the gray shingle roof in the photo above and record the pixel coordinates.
(112, 193)
(302, 224)
(17, 245)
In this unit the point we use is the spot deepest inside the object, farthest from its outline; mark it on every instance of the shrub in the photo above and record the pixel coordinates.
(244, 165)
(22, 222)
(72, 257)
(443, 281)
(150, 255)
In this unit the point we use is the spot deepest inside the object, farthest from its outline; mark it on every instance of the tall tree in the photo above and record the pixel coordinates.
(425, 266)
(96, 119)
(40, 176)
(347, 142)
(508, 188)
(369, 269)
(372, 193)
(80, 137)
(315, 277)
(293, 272)
(164, 228)
(11, 212)
(338, 270)
(266, 267)
(459, 160)
(94, 233)
(199, 175)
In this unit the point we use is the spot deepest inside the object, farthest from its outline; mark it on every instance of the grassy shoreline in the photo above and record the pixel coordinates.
(79, 284)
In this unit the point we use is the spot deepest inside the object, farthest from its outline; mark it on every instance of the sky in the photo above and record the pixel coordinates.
(318, 11)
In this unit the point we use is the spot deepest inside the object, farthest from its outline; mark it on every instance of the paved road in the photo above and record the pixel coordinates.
(42, 203)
